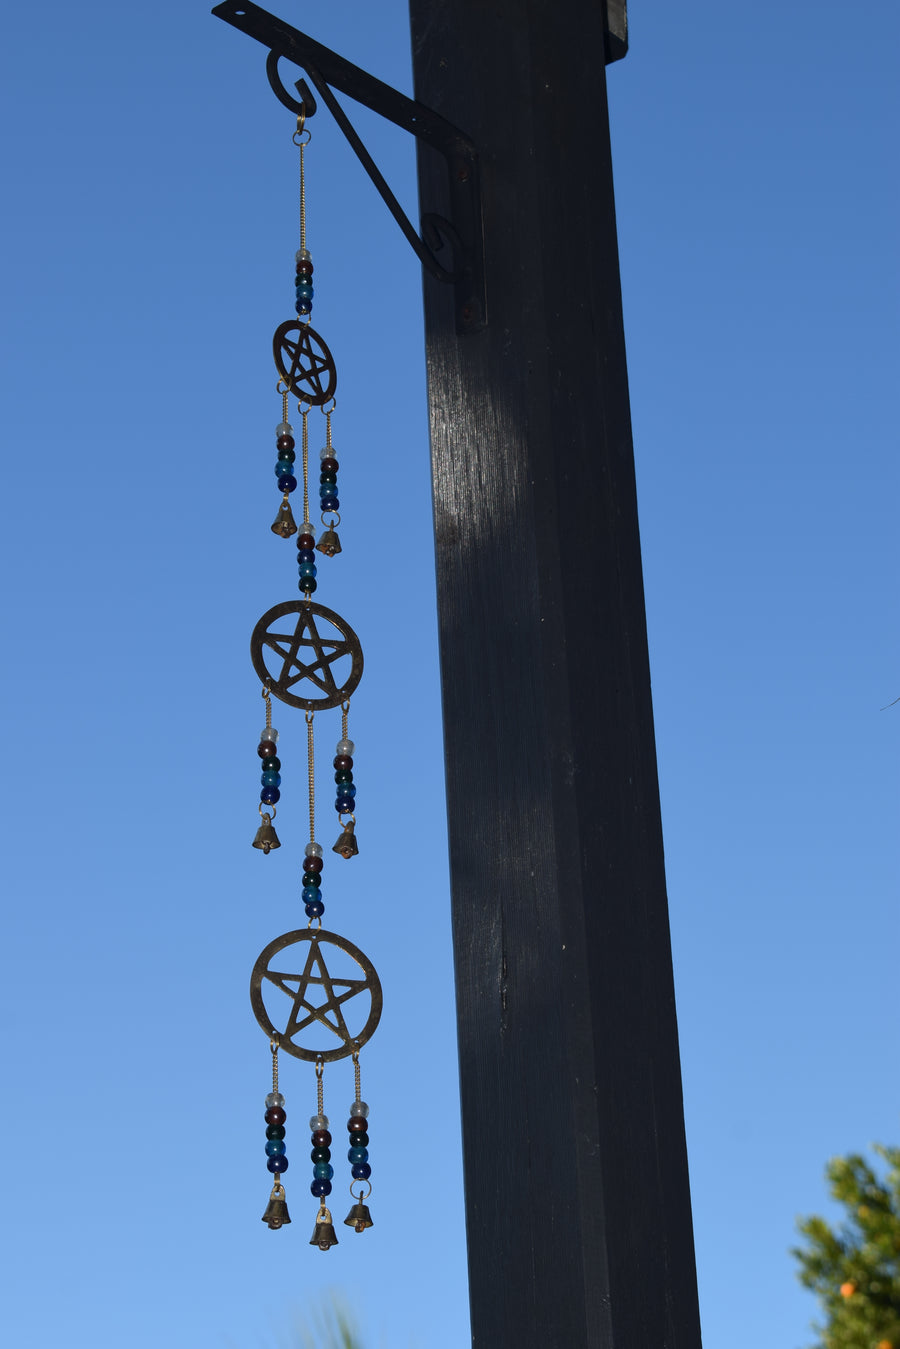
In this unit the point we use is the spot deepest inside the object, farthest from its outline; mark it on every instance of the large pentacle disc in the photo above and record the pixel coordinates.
(307, 655)
(304, 362)
(311, 988)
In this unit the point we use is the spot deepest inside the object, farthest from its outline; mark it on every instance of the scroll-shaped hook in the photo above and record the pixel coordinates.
(307, 106)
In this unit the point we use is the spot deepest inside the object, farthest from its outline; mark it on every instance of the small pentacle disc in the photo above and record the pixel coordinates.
(321, 989)
(307, 655)
(304, 362)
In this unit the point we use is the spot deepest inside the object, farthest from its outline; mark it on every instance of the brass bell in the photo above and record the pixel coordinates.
(266, 838)
(276, 1214)
(323, 1235)
(359, 1217)
(329, 544)
(346, 844)
(284, 522)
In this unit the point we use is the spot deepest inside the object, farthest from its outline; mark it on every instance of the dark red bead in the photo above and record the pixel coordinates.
(343, 761)
(321, 1138)
(304, 268)
(305, 541)
(329, 466)
(285, 442)
(266, 749)
(313, 864)
(357, 1124)
(275, 1115)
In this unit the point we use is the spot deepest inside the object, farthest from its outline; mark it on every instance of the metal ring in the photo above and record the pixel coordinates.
(272, 811)
(360, 1197)
(328, 411)
(331, 523)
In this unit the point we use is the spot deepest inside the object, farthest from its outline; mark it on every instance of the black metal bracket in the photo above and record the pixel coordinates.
(463, 231)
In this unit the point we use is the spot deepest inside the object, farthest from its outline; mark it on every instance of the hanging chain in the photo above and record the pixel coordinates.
(304, 440)
(345, 719)
(284, 407)
(273, 1045)
(268, 698)
(311, 761)
(320, 1089)
(356, 1075)
(302, 190)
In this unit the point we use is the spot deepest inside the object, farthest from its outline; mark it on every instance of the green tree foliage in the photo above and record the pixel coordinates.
(854, 1269)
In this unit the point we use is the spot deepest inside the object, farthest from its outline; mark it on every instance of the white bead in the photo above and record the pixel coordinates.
(268, 733)
(359, 1108)
(284, 429)
(302, 255)
(307, 528)
(313, 850)
(318, 1122)
(274, 1098)
(345, 747)
(329, 452)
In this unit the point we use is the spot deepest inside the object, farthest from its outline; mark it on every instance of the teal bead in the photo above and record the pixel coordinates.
(275, 1147)
(312, 878)
(357, 1154)
(360, 1140)
(271, 765)
(271, 779)
(320, 1155)
(344, 775)
(330, 478)
(323, 1171)
(307, 569)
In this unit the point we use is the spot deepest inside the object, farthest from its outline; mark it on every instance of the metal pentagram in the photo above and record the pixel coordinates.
(314, 997)
(299, 651)
(304, 362)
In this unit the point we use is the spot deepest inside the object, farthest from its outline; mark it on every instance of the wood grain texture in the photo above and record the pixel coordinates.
(577, 1199)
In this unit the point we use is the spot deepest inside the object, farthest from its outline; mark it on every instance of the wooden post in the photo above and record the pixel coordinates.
(577, 1199)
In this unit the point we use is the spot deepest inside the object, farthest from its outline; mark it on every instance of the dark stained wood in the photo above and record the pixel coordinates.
(577, 1199)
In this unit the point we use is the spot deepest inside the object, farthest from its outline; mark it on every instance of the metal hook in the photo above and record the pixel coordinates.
(306, 106)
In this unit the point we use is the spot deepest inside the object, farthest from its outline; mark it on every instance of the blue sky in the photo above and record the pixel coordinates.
(148, 243)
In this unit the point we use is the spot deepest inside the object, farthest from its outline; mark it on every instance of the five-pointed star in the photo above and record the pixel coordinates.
(308, 369)
(328, 1012)
(290, 646)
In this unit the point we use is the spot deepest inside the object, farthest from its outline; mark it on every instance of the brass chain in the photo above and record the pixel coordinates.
(273, 1045)
(304, 413)
(357, 1081)
(345, 719)
(268, 698)
(320, 1089)
(311, 762)
(303, 197)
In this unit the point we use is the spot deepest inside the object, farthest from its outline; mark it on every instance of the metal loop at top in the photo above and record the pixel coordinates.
(360, 1196)
(328, 411)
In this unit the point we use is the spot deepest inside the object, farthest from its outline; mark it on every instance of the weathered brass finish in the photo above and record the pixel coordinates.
(359, 1217)
(329, 544)
(301, 988)
(266, 838)
(276, 1214)
(346, 844)
(304, 362)
(283, 650)
(284, 523)
(324, 1235)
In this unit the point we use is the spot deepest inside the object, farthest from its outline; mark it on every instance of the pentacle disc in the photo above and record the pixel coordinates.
(304, 362)
(311, 991)
(300, 641)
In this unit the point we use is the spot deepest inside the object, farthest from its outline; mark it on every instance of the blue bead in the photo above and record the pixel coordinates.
(275, 1147)
(320, 1188)
(327, 489)
(309, 894)
(303, 306)
(269, 795)
(344, 805)
(330, 504)
(347, 789)
(271, 778)
(315, 909)
(307, 583)
(277, 1164)
(306, 555)
(308, 569)
(360, 1171)
(304, 292)
(323, 1171)
(287, 482)
(357, 1154)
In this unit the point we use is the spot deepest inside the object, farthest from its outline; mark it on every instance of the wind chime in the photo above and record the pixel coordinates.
(310, 987)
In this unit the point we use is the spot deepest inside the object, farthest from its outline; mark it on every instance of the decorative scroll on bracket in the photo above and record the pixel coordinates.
(327, 71)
